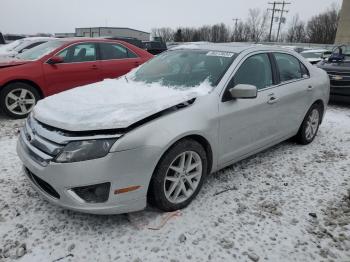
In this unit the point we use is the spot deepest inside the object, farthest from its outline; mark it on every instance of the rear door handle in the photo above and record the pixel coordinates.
(272, 100)
(137, 63)
(94, 67)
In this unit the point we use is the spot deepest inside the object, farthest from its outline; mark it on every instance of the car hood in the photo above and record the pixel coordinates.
(314, 60)
(111, 104)
(335, 67)
(9, 62)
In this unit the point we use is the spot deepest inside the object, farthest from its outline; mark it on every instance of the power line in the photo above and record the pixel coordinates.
(275, 9)
(272, 17)
(236, 23)
(281, 17)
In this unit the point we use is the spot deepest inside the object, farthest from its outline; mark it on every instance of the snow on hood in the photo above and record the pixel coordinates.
(110, 104)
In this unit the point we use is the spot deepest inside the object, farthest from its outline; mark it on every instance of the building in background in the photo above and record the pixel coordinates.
(112, 31)
(64, 35)
(343, 33)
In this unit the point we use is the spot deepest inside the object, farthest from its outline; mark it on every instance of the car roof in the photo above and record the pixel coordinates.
(38, 38)
(228, 47)
(87, 39)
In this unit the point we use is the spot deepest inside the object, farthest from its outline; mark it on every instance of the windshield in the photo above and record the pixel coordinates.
(185, 68)
(39, 51)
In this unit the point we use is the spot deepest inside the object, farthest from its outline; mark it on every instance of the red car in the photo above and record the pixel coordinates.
(59, 65)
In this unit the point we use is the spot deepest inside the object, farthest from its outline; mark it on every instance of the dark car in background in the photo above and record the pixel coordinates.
(155, 47)
(131, 40)
(337, 67)
(2, 39)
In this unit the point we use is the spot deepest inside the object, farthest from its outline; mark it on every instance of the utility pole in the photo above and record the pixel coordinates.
(272, 17)
(281, 17)
(274, 10)
(235, 32)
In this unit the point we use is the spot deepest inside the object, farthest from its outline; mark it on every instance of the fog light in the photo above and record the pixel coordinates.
(93, 194)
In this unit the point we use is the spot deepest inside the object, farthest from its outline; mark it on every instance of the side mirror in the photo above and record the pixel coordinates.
(244, 91)
(55, 60)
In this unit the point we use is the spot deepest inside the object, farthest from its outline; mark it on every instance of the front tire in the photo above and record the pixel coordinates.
(18, 99)
(308, 129)
(178, 176)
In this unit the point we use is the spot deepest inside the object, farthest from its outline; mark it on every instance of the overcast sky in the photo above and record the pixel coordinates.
(49, 16)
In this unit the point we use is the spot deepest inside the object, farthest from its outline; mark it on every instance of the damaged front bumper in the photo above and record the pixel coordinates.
(116, 183)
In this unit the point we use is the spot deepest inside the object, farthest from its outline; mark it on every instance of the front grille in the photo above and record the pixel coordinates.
(38, 141)
(31, 154)
(339, 78)
(43, 185)
(339, 73)
(340, 83)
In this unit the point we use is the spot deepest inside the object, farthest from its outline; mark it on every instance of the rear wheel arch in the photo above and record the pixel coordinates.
(321, 106)
(308, 128)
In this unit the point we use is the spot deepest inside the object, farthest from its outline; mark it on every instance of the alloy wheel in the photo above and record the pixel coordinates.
(312, 124)
(20, 101)
(183, 177)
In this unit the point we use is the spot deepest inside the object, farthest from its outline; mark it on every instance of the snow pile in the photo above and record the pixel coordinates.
(8, 48)
(112, 103)
(185, 46)
(288, 203)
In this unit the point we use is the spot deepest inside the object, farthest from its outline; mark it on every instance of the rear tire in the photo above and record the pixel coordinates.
(178, 176)
(308, 129)
(18, 99)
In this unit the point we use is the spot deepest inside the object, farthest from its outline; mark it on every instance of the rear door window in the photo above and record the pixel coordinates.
(111, 51)
(289, 67)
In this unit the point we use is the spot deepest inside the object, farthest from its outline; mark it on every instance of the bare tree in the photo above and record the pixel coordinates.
(319, 29)
(242, 33)
(257, 24)
(323, 27)
(219, 33)
(165, 32)
(296, 31)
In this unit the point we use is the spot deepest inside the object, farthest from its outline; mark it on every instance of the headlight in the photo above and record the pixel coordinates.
(85, 150)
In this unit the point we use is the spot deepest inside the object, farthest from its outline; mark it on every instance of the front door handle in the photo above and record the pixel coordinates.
(272, 100)
(94, 67)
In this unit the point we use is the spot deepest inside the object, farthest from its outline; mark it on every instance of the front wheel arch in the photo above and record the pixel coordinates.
(29, 82)
(198, 138)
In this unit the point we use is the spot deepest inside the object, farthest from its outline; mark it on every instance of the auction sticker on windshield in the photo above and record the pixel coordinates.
(223, 54)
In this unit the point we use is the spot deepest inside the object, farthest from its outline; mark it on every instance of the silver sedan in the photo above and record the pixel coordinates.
(155, 134)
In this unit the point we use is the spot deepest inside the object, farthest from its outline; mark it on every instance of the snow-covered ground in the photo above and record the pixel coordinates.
(289, 203)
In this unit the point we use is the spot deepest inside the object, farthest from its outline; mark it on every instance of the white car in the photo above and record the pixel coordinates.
(316, 55)
(21, 45)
